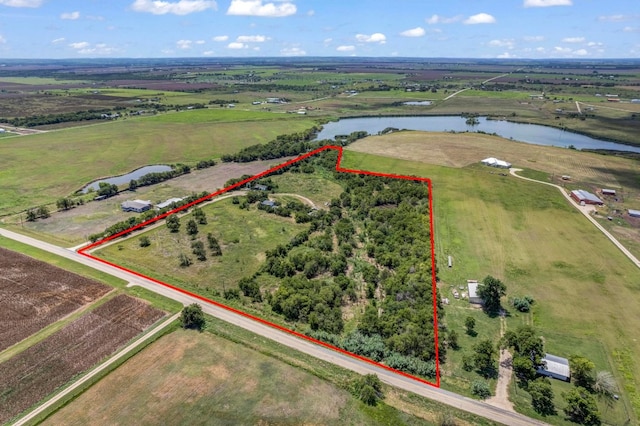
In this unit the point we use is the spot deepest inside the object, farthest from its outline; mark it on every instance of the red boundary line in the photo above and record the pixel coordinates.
(268, 323)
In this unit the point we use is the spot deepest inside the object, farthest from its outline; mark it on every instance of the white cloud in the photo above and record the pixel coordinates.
(72, 16)
(328, 40)
(580, 52)
(413, 32)
(221, 38)
(79, 45)
(631, 29)
(208, 53)
(437, 19)
(311, 12)
(58, 40)
(373, 38)
(506, 55)
(615, 18)
(2, 39)
(506, 42)
(573, 40)
(533, 38)
(345, 48)
(292, 51)
(564, 50)
(257, 8)
(541, 49)
(594, 44)
(95, 17)
(181, 7)
(252, 39)
(236, 45)
(21, 3)
(184, 44)
(480, 18)
(200, 41)
(547, 3)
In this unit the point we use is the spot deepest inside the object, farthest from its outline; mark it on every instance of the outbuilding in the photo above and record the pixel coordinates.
(608, 191)
(168, 203)
(555, 367)
(582, 196)
(472, 286)
(137, 206)
(494, 162)
(634, 213)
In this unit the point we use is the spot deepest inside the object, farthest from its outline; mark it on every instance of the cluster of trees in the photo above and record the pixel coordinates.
(282, 146)
(41, 120)
(107, 189)
(157, 177)
(41, 212)
(66, 203)
(383, 220)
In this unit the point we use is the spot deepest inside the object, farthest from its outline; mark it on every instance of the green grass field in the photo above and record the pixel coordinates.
(528, 236)
(243, 235)
(39, 169)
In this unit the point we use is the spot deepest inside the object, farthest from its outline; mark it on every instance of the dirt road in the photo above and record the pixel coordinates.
(261, 328)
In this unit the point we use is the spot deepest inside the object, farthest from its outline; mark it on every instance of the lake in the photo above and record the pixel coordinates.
(529, 133)
(122, 179)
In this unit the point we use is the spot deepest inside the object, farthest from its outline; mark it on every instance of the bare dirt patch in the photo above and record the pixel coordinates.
(31, 375)
(34, 294)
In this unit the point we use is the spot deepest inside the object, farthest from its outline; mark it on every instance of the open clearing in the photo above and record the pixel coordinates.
(34, 294)
(31, 375)
(38, 169)
(244, 235)
(74, 226)
(526, 234)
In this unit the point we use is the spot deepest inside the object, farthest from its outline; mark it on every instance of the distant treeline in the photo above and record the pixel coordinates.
(42, 120)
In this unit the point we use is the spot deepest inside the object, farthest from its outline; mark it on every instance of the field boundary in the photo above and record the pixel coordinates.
(85, 251)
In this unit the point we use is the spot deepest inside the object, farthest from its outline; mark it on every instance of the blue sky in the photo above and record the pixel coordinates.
(249, 28)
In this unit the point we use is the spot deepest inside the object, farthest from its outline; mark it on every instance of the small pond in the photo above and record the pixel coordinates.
(122, 179)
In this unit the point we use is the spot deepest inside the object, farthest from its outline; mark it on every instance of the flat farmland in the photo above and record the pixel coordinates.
(38, 169)
(34, 294)
(39, 370)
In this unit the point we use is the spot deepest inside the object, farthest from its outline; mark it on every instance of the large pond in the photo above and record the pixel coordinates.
(122, 179)
(530, 133)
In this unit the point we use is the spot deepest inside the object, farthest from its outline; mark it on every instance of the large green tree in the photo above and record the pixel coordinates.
(582, 371)
(528, 350)
(192, 317)
(485, 357)
(542, 396)
(581, 407)
(491, 290)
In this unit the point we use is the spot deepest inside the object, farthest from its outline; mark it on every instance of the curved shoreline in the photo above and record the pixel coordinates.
(116, 176)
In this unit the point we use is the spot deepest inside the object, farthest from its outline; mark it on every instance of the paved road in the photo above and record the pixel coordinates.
(133, 345)
(585, 212)
(351, 363)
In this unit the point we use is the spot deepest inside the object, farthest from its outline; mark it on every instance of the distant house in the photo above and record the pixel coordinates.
(259, 187)
(168, 203)
(635, 101)
(494, 162)
(555, 367)
(634, 213)
(274, 100)
(608, 191)
(2, 130)
(582, 196)
(474, 298)
(137, 206)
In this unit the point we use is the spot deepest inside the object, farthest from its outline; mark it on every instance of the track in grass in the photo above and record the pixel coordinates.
(85, 251)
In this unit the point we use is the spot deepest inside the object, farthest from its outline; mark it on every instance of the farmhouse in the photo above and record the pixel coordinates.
(473, 292)
(494, 162)
(608, 191)
(634, 213)
(555, 367)
(582, 196)
(137, 206)
(168, 203)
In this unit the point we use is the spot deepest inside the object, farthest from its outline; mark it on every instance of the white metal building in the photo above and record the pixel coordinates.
(494, 162)
(555, 367)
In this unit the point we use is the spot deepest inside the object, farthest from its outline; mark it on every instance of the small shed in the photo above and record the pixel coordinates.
(555, 367)
(634, 213)
(608, 191)
(168, 202)
(474, 298)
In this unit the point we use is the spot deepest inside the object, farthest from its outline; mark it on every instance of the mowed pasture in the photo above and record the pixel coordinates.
(34, 294)
(38, 169)
(195, 378)
(244, 236)
(530, 237)
(36, 372)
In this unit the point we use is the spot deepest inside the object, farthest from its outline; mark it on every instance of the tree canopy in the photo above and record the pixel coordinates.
(192, 317)
(491, 290)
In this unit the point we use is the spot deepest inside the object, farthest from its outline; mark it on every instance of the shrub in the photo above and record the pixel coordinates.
(480, 389)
